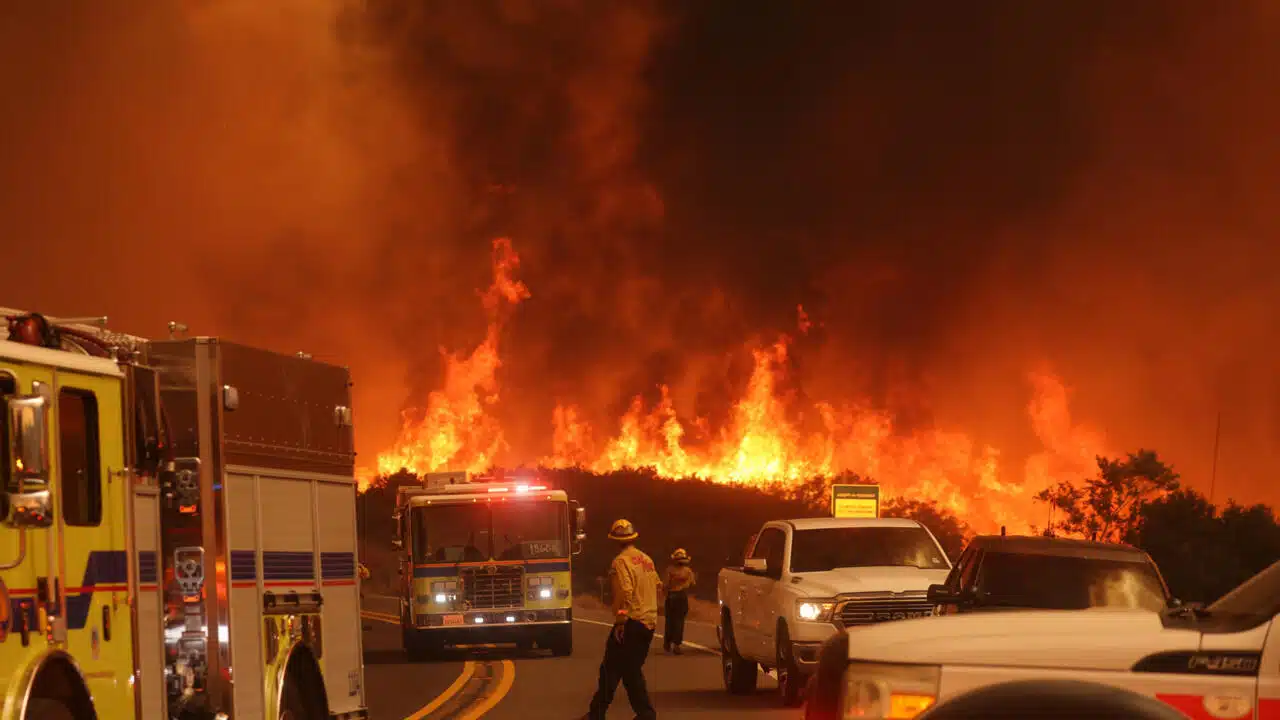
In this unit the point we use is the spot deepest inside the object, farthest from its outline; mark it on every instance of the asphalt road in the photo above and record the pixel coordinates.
(500, 684)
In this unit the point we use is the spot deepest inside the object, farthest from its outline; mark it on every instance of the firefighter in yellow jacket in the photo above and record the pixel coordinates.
(635, 584)
(680, 579)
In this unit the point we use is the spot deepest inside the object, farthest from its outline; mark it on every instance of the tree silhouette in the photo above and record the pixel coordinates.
(1183, 535)
(951, 531)
(1202, 551)
(1109, 506)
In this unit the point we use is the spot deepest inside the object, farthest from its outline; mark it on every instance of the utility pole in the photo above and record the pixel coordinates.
(1213, 474)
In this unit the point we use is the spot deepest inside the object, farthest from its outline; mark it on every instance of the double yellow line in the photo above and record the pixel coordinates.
(486, 704)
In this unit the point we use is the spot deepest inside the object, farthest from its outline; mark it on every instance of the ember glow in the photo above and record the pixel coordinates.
(769, 439)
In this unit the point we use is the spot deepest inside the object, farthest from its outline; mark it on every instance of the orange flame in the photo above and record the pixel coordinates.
(763, 445)
(769, 440)
(455, 431)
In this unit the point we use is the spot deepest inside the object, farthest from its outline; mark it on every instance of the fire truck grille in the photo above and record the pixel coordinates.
(872, 610)
(503, 588)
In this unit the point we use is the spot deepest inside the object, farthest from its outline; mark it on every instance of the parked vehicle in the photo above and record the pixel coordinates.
(802, 581)
(1222, 661)
(996, 572)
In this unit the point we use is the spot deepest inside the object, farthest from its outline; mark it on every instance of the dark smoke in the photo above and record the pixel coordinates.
(958, 191)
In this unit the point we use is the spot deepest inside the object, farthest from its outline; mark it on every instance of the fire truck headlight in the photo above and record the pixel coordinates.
(445, 591)
(541, 588)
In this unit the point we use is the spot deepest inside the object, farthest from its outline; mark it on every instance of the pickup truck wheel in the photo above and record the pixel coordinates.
(740, 675)
(790, 683)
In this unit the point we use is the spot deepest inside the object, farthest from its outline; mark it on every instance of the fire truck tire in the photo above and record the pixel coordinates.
(48, 709)
(302, 697)
(560, 641)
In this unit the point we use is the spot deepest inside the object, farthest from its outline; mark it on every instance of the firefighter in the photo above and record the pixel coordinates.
(680, 579)
(635, 582)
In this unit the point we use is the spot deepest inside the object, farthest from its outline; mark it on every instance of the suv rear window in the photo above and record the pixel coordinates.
(1067, 582)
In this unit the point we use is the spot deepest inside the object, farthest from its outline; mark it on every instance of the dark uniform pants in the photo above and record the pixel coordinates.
(624, 662)
(677, 611)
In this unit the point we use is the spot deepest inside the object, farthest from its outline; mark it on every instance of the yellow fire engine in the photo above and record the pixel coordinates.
(486, 560)
(177, 528)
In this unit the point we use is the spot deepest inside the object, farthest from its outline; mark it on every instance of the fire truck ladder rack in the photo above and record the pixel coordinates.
(90, 336)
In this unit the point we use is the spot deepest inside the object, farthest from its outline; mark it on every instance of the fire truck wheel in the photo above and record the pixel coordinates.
(48, 709)
(303, 696)
(299, 701)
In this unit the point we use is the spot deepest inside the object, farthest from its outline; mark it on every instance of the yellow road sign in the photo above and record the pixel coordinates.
(855, 501)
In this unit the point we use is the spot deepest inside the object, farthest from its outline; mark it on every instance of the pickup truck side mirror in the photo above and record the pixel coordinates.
(942, 595)
(755, 566)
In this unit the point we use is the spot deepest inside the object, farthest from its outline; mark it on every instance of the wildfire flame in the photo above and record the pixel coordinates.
(455, 431)
(768, 440)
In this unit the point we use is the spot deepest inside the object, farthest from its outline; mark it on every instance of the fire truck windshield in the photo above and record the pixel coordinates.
(450, 533)
(530, 530)
(526, 530)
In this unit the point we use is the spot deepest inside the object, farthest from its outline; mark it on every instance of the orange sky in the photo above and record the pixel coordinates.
(304, 179)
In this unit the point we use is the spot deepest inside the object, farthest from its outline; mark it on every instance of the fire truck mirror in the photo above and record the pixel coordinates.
(580, 523)
(26, 483)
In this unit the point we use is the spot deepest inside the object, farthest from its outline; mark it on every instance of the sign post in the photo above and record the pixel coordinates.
(855, 501)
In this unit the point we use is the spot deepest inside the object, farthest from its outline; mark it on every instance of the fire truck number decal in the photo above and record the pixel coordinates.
(452, 619)
(542, 548)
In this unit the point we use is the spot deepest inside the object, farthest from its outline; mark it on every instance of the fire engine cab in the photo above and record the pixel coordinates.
(177, 528)
(486, 560)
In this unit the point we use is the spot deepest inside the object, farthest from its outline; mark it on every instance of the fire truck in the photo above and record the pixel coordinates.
(486, 560)
(177, 528)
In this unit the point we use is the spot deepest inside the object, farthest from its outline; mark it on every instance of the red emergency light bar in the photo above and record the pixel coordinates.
(519, 488)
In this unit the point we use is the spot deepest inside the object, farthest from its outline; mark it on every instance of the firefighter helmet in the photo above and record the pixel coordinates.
(680, 556)
(623, 531)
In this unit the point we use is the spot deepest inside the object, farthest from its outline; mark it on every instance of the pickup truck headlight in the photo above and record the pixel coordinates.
(889, 691)
(815, 610)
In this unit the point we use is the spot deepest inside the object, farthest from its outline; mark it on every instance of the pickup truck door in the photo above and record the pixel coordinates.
(758, 589)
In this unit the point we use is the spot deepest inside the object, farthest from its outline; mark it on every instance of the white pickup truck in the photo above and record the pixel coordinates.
(1220, 662)
(802, 581)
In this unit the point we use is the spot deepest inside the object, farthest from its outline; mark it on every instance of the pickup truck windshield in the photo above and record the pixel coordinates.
(1257, 596)
(823, 549)
(1063, 582)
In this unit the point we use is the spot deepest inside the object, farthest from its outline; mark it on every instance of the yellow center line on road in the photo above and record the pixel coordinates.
(468, 669)
(385, 617)
(490, 701)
